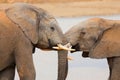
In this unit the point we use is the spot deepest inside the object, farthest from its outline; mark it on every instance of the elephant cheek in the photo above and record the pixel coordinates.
(62, 65)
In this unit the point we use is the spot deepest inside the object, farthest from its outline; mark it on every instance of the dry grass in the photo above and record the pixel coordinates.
(73, 9)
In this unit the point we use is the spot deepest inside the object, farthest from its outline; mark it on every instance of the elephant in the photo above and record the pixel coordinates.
(23, 28)
(98, 38)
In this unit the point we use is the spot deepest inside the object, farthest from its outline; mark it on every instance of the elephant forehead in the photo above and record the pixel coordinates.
(49, 21)
(95, 20)
(88, 24)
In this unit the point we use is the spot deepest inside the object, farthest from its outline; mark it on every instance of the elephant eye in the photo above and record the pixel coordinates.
(52, 28)
(94, 39)
(83, 33)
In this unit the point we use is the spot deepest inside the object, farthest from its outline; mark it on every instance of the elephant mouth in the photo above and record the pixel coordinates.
(85, 54)
(50, 44)
(76, 47)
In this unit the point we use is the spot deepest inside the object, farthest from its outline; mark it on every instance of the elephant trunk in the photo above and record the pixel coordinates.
(62, 64)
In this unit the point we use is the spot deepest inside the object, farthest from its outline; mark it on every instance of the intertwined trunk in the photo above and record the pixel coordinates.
(62, 65)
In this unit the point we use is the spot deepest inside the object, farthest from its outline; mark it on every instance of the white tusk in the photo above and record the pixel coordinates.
(69, 58)
(56, 48)
(65, 47)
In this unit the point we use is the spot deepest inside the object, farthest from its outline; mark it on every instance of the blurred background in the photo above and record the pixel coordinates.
(69, 13)
(35, 1)
(73, 8)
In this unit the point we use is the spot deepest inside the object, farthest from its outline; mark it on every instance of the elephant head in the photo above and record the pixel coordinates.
(96, 37)
(41, 29)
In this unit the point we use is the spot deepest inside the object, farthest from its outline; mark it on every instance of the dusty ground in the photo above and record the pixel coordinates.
(74, 9)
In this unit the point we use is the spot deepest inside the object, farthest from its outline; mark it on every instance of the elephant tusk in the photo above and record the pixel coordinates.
(69, 58)
(56, 48)
(65, 47)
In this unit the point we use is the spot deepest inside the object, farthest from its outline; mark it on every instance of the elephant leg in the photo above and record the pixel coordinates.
(24, 60)
(8, 73)
(25, 67)
(115, 74)
(110, 64)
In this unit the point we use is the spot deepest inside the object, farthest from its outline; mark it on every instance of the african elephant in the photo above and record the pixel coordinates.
(23, 28)
(98, 38)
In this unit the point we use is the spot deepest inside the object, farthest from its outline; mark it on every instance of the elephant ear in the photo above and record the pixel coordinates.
(26, 18)
(108, 45)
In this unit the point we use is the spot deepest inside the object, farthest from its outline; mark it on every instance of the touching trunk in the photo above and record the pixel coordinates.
(62, 64)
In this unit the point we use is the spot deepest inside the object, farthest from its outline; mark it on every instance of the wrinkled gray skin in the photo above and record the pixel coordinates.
(98, 38)
(23, 29)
